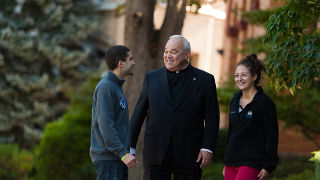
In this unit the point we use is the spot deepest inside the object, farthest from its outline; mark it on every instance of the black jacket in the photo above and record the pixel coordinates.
(252, 138)
(193, 125)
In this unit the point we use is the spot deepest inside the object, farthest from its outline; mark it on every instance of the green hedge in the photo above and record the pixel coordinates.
(64, 149)
(291, 166)
(307, 174)
(214, 170)
(15, 163)
(220, 149)
(316, 160)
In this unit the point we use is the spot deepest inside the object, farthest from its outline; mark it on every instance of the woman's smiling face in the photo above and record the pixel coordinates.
(243, 78)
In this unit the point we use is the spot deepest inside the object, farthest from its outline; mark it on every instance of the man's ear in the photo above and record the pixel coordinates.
(187, 55)
(120, 63)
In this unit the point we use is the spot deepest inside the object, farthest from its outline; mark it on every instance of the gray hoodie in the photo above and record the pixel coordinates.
(110, 137)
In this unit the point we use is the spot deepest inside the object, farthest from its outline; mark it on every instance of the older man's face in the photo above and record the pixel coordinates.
(174, 56)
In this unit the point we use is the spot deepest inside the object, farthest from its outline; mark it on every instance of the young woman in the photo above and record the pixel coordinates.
(252, 139)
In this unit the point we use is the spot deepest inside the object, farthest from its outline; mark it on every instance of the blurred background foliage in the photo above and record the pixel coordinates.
(45, 56)
(316, 160)
(291, 42)
(15, 163)
(42, 51)
(64, 147)
(294, 59)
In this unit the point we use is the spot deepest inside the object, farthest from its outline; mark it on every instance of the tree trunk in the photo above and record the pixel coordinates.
(172, 24)
(138, 35)
(147, 45)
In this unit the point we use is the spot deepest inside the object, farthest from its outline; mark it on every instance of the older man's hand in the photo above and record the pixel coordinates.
(205, 157)
(130, 160)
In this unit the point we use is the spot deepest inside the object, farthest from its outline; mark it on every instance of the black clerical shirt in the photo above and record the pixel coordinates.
(177, 83)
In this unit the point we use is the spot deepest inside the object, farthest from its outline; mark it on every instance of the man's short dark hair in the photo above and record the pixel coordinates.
(115, 54)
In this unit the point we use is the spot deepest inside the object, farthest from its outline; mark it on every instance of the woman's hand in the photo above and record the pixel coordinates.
(263, 174)
(223, 170)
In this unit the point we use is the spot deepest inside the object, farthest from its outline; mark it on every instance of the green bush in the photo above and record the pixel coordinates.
(220, 149)
(15, 163)
(292, 167)
(307, 174)
(316, 160)
(64, 149)
(213, 171)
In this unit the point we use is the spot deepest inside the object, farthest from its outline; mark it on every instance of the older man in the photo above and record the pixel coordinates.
(181, 106)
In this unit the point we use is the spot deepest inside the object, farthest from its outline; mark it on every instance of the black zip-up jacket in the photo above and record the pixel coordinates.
(252, 138)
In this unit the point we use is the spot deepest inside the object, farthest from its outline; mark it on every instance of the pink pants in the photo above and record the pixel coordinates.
(240, 173)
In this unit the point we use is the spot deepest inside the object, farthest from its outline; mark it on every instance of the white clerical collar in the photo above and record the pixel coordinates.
(183, 68)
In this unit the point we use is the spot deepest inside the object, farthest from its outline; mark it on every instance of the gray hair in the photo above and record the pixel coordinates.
(186, 44)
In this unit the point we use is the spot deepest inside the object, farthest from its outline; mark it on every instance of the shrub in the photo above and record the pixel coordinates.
(15, 163)
(220, 149)
(316, 160)
(64, 149)
(292, 166)
(307, 174)
(213, 171)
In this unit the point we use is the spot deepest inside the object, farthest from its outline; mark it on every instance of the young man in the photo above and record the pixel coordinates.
(110, 138)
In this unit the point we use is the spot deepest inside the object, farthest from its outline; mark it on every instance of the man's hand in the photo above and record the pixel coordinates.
(206, 158)
(263, 174)
(130, 160)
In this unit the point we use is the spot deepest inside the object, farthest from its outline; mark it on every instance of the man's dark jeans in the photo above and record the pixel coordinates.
(111, 170)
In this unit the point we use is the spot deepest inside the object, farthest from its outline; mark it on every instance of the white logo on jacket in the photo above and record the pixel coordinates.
(123, 103)
(249, 114)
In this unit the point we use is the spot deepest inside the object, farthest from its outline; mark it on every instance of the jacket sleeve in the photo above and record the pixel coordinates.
(230, 124)
(228, 134)
(212, 116)
(139, 114)
(106, 106)
(272, 133)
